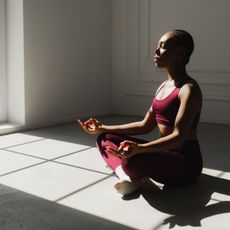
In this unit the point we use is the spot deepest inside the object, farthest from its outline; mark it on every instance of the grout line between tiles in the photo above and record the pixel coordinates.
(42, 158)
(24, 154)
(68, 154)
(21, 169)
(221, 174)
(52, 161)
(79, 167)
(83, 188)
(12, 146)
(214, 199)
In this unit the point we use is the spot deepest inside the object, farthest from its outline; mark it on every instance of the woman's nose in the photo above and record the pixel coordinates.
(156, 51)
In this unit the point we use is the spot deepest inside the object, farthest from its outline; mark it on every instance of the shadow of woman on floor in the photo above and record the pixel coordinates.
(188, 205)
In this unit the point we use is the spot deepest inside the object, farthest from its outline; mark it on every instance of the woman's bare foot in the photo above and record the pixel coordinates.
(126, 187)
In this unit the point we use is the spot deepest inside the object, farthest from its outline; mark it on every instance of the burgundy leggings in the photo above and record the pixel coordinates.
(175, 167)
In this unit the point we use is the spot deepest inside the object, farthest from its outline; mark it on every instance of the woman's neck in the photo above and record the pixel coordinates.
(177, 74)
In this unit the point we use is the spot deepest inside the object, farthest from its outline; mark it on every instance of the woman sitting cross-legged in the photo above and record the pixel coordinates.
(174, 158)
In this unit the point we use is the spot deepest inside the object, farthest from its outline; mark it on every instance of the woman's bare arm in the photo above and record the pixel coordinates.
(93, 126)
(140, 127)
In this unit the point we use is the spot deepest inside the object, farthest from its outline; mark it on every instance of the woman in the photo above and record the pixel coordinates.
(174, 158)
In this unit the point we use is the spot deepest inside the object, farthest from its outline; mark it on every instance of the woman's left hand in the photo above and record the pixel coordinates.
(126, 149)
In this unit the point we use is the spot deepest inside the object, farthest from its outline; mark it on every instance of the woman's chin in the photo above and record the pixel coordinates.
(158, 65)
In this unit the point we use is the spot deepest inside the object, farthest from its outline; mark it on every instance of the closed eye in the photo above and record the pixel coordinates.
(160, 45)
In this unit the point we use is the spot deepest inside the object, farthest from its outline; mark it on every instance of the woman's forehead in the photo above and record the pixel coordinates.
(166, 37)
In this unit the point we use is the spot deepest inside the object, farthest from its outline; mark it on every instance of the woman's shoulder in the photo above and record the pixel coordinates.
(191, 86)
(189, 83)
(188, 80)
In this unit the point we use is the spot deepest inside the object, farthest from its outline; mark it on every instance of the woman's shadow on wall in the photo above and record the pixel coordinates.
(188, 205)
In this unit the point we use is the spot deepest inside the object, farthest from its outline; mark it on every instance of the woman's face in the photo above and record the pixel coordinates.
(168, 54)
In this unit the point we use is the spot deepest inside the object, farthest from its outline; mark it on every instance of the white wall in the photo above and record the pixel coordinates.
(2, 62)
(68, 63)
(59, 56)
(15, 99)
(138, 24)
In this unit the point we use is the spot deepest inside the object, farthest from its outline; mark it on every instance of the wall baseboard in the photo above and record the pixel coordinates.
(7, 128)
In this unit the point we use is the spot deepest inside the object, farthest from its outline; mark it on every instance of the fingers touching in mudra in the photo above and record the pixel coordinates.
(91, 126)
(125, 150)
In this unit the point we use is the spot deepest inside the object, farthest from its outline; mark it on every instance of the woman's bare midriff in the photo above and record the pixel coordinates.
(164, 131)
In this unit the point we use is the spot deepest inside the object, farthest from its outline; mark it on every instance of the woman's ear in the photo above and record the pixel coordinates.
(181, 52)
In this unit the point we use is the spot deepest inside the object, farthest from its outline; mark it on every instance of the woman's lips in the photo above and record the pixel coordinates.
(156, 58)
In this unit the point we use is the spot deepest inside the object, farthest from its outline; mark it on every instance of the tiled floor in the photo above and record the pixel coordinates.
(60, 167)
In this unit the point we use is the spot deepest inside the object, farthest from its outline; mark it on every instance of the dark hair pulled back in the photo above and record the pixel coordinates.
(184, 39)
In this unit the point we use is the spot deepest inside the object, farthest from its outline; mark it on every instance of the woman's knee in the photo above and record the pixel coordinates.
(105, 139)
(100, 138)
(105, 136)
(99, 142)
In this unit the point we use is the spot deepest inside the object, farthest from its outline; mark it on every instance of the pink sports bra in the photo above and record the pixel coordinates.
(166, 109)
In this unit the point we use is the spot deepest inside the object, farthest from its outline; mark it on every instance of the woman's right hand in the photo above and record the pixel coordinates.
(91, 126)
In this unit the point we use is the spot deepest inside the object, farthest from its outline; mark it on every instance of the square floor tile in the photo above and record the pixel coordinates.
(50, 180)
(90, 159)
(16, 139)
(102, 200)
(12, 161)
(48, 148)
